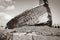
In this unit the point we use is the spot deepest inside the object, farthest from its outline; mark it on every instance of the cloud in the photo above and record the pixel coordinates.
(11, 1)
(2, 7)
(12, 7)
(8, 0)
(7, 4)
(4, 18)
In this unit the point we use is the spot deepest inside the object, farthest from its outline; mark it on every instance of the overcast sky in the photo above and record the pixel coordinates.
(55, 9)
(15, 7)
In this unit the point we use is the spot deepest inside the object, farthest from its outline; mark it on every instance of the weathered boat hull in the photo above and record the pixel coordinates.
(39, 15)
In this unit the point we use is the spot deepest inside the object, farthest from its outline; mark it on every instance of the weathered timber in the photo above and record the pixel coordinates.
(32, 17)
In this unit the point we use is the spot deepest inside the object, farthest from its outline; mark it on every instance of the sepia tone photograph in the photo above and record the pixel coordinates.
(29, 19)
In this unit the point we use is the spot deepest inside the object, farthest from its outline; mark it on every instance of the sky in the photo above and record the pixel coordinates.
(55, 9)
(13, 8)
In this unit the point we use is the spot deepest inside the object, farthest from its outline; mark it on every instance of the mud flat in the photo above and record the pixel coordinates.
(31, 33)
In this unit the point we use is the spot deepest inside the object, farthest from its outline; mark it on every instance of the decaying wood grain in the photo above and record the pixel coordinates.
(32, 17)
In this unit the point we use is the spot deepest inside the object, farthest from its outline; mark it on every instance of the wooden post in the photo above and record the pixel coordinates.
(45, 4)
